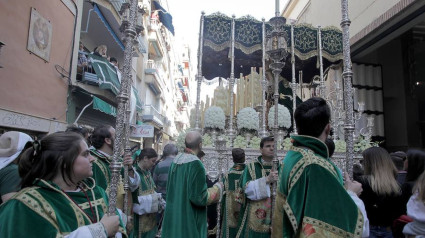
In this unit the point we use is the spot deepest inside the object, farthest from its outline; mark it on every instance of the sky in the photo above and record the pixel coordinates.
(187, 13)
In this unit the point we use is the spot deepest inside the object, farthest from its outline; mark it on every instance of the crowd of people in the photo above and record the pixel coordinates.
(59, 186)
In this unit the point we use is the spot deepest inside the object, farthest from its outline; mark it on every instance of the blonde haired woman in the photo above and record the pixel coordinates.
(416, 210)
(381, 192)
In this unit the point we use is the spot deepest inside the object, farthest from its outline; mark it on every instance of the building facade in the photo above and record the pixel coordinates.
(37, 47)
(78, 80)
(387, 50)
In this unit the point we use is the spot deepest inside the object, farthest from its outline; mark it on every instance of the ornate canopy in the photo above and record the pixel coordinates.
(248, 46)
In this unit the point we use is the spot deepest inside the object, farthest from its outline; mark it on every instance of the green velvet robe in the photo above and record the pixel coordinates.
(43, 210)
(102, 176)
(101, 171)
(254, 220)
(187, 199)
(145, 226)
(311, 199)
(230, 207)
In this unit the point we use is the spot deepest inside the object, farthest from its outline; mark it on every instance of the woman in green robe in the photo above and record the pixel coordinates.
(57, 197)
(147, 202)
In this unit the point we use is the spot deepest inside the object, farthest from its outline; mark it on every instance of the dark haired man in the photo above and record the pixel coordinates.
(160, 173)
(102, 140)
(231, 208)
(187, 193)
(254, 193)
(311, 198)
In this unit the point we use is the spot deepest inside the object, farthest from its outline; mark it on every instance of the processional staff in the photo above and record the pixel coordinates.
(220, 147)
(131, 26)
(276, 46)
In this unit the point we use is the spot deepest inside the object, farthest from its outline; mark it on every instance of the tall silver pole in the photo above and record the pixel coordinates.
(220, 146)
(277, 13)
(231, 131)
(294, 85)
(322, 82)
(263, 132)
(122, 98)
(277, 52)
(347, 75)
(199, 75)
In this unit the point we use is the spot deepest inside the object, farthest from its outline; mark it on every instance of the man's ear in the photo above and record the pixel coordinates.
(328, 129)
(108, 141)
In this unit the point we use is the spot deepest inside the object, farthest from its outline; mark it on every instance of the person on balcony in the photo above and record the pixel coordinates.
(311, 199)
(101, 51)
(255, 193)
(187, 194)
(82, 58)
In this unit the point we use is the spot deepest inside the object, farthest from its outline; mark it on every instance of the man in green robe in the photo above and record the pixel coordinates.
(187, 194)
(102, 140)
(147, 202)
(231, 208)
(311, 198)
(254, 195)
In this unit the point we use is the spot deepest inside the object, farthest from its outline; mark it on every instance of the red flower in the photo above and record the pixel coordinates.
(261, 213)
(308, 230)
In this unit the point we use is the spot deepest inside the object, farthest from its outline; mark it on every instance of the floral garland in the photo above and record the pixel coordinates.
(214, 118)
(284, 117)
(248, 119)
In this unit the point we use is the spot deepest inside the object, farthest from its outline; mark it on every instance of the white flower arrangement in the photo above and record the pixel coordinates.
(248, 119)
(284, 117)
(214, 118)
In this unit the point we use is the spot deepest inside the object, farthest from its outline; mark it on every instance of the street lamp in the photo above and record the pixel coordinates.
(276, 48)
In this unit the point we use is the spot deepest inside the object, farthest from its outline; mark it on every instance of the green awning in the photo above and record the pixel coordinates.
(103, 106)
(138, 102)
(106, 73)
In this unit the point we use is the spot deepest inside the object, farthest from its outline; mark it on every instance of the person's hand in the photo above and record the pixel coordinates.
(128, 161)
(111, 224)
(351, 185)
(130, 224)
(273, 177)
(161, 205)
(219, 183)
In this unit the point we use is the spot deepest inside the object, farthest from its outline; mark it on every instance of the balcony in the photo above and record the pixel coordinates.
(154, 77)
(149, 113)
(157, 43)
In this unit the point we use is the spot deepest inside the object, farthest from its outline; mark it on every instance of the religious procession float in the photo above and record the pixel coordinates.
(275, 65)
